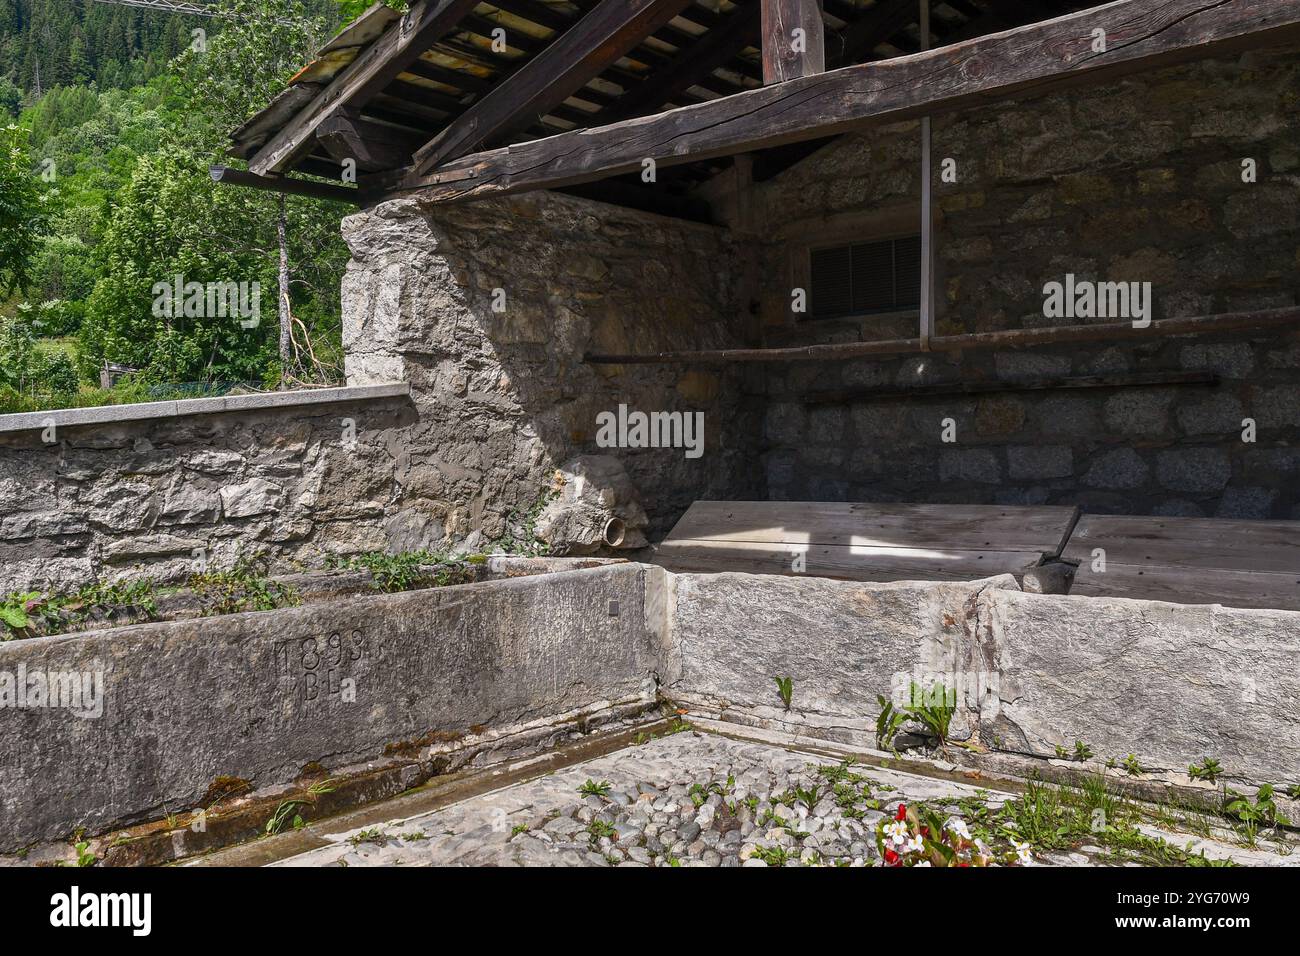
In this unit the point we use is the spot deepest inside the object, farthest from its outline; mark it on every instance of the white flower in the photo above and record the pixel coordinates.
(1022, 851)
(958, 826)
(923, 863)
(896, 830)
(916, 844)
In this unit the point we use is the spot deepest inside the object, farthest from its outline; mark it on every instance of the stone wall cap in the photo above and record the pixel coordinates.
(142, 411)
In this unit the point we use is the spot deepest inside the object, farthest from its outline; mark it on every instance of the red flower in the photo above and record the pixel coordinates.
(891, 858)
(902, 812)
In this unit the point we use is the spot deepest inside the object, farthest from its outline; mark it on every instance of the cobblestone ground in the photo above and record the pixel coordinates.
(688, 799)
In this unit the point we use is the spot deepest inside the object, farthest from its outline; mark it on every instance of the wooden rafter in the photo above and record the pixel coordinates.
(1038, 58)
(740, 29)
(367, 75)
(564, 66)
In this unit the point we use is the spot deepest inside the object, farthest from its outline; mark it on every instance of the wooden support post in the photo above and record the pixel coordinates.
(794, 43)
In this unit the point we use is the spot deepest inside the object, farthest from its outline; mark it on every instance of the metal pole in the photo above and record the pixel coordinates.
(927, 217)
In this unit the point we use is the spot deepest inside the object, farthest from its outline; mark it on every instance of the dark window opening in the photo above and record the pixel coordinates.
(866, 278)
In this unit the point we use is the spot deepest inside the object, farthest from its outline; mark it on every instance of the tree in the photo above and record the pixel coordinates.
(22, 211)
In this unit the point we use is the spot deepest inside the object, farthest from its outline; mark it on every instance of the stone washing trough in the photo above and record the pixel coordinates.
(207, 728)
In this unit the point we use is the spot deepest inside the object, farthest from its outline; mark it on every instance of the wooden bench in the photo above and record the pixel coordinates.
(1249, 564)
(866, 542)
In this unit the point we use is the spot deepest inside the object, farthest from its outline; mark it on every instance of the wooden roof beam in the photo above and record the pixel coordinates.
(1037, 58)
(578, 55)
(376, 66)
(740, 29)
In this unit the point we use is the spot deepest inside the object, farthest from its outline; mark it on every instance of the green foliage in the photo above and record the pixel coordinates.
(1208, 769)
(1254, 816)
(410, 569)
(31, 613)
(131, 204)
(23, 210)
(593, 789)
(932, 711)
(785, 687)
(888, 723)
(245, 587)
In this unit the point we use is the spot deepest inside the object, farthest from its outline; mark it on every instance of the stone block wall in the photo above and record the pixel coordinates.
(498, 401)
(1136, 180)
(487, 308)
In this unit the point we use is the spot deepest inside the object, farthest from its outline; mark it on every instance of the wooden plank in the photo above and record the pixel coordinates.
(1041, 530)
(1118, 380)
(1008, 338)
(740, 29)
(829, 561)
(794, 40)
(1038, 58)
(1245, 589)
(564, 66)
(1195, 543)
(377, 66)
(283, 184)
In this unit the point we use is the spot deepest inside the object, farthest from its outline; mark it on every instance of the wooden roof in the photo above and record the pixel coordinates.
(687, 52)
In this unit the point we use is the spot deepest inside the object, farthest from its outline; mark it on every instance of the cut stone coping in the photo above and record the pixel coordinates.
(143, 411)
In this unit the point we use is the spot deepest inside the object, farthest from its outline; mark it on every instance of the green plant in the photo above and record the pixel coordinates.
(373, 835)
(84, 856)
(245, 587)
(1208, 769)
(518, 828)
(593, 789)
(15, 613)
(1132, 767)
(809, 798)
(1061, 752)
(1261, 814)
(1293, 791)
(888, 723)
(785, 687)
(281, 816)
(1082, 751)
(409, 570)
(597, 829)
(933, 711)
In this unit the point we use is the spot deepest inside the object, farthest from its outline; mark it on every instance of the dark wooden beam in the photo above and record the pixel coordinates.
(283, 184)
(859, 38)
(1052, 383)
(1007, 339)
(794, 40)
(373, 146)
(376, 66)
(1034, 59)
(740, 29)
(578, 55)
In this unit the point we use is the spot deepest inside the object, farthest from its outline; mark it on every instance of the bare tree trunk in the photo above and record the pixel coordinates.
(286, 341)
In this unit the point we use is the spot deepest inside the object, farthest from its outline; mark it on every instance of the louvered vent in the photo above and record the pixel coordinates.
(867, 277)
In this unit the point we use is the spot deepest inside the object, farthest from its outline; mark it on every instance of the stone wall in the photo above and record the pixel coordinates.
(1168, 683)
(486, 310)
(1137, 180)
(185, 709)
(498, 400)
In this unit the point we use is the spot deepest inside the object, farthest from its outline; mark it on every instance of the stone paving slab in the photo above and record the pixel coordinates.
(669, 802)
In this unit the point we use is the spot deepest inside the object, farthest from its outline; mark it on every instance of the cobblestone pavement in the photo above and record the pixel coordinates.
(687, 799)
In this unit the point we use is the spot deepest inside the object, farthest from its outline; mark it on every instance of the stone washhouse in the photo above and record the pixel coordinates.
(990, 322)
